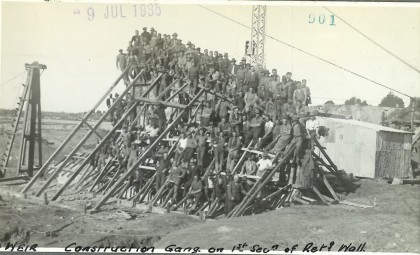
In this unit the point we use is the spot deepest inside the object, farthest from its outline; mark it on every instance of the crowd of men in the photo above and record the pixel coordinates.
(244, 107)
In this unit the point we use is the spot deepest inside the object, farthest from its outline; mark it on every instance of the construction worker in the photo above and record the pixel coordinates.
(201, 138)
(263, 164)
(234, 193)
(163, 165)
(283, 139)
(234, 145)
(236, 120)
(249, 167)
(134, 152)
(121, 60)
(225, 127)
(250, 99)
(180, 149)
(190, 148)
(219, 150)
(268, 135)
(195, 192)
(223, 107)
(176, 176)
(256, 128)
(160, 115)
(298, 133)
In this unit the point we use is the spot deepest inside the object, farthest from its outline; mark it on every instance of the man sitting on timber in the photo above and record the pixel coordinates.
(263, 164)
(249, 167)
(283, 139)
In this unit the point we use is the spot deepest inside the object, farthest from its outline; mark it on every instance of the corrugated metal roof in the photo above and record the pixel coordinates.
(366, 125)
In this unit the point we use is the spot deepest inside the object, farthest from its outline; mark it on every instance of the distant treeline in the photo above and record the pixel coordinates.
(55, 115)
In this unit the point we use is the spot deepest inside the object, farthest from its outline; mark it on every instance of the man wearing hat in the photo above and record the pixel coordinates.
(233, 68)
(236, 120)
(146, 36)
(223, 107)
(298, 133)
(252, 78)
(205, 58)
(224, 64)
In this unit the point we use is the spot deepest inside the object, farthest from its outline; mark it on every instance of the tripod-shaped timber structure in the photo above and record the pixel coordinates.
(114, 181)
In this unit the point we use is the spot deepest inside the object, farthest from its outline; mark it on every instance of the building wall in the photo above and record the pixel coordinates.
(351, 148)
(393, 154)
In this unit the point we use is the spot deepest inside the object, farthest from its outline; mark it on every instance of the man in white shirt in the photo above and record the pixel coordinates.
(263, 164)
(312, 125)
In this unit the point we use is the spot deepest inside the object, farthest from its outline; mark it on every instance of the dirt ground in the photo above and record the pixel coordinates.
(393, 225)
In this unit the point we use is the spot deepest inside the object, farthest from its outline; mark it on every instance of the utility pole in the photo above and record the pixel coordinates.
(413, 107)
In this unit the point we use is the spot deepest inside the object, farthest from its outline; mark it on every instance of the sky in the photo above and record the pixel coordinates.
(79, 45)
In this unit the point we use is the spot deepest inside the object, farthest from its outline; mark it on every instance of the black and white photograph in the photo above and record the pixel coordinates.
(214, 127)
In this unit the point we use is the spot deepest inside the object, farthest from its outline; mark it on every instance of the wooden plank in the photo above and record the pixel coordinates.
(127, 113)
(345, 202)
(153, 101)
(144, 155)
(319, 194)
(14, 178)
(73, 133)
(257, 152)
(327, 183)
(91, 128)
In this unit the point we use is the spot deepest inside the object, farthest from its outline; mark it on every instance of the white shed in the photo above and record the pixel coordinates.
(366, 149)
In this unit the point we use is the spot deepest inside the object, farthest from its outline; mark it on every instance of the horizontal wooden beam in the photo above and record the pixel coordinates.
(153, 101)
(15, 178)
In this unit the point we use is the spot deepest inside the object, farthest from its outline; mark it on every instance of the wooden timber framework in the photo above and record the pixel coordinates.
(29, 113)
(113, 181)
